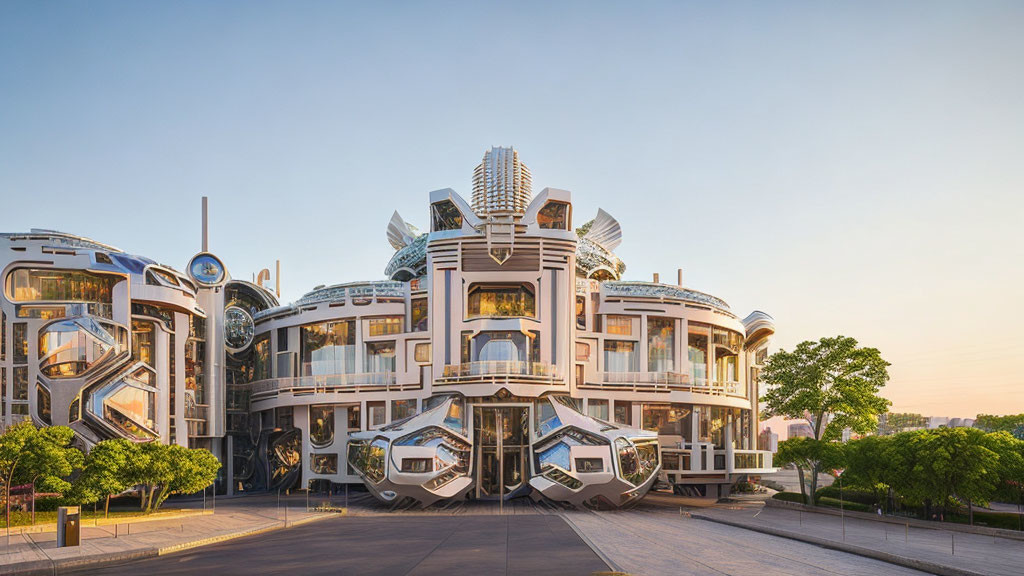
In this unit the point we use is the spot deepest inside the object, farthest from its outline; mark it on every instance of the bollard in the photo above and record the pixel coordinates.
(906, 533)
(952, 544)
(115, 530)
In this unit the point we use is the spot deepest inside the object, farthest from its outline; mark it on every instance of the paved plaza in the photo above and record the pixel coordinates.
(666, 534)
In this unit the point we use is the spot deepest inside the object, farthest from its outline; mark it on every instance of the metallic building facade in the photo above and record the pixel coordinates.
(503, 356)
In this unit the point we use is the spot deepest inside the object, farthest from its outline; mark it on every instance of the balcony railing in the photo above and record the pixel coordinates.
(703, 458)
(530, 372)
(328, 383)
(663, 382)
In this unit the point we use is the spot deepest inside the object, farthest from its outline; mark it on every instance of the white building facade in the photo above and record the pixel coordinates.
(502, 357)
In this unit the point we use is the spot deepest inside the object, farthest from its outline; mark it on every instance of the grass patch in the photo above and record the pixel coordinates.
(20, 518)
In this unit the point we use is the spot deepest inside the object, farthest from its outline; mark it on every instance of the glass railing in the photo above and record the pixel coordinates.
(702, 457)
(325, 383)
(471, 370)
(664, 381)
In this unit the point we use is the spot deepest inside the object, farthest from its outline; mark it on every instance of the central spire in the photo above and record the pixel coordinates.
(501, 183)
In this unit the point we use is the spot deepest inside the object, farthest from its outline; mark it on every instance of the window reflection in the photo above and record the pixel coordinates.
(668, 420)
(500, 301)
(661, 336)
(554, 216)
(321, 426)
(323, 463)
(419, 314)
(385, 326)
(328, 348)
(697, 349)
(34, 285)
(69, 348)
(380, 356)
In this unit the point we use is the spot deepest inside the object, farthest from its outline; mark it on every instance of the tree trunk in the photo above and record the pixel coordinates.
(106, 507)
(803, 487)
(814, 484)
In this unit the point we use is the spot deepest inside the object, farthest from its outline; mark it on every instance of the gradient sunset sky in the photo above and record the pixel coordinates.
(850, 169)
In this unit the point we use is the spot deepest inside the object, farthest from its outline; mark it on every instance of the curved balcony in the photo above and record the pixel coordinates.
(327, 384)
(499, 371)
(663, 382)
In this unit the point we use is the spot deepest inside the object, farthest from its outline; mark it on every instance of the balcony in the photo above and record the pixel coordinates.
(327, 384)
(663, 382)
(499, 371)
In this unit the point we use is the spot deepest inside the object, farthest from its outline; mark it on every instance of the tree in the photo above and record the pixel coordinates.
(49, 459)
(808, 456)
(160, 471)
(832, 384)
(31, 456)
(12, 451)
(991, 423)
(866, 466)
(106, 472)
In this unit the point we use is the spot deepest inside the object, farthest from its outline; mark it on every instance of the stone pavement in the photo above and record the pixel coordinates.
(28, 553)
(654, 540)
(956, 551)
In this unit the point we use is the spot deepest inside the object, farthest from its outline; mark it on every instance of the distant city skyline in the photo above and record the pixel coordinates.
(850, 171)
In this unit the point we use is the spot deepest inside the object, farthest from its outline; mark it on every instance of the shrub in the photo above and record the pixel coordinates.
(858, 496)
(790, 497)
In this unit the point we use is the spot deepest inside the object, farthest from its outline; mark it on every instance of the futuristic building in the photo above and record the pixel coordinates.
(503, 356)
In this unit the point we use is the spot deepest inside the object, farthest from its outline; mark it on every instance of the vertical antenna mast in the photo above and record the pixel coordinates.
(206, 226)
(277, 279)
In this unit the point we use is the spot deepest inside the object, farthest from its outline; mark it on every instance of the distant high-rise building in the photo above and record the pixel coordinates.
(768, 440)
(797, 429)
(501, 183)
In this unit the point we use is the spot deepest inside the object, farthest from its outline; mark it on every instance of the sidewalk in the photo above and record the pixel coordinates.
(931, 550)
(37, 553)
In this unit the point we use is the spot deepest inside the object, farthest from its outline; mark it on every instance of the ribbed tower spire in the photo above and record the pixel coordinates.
(501, 183)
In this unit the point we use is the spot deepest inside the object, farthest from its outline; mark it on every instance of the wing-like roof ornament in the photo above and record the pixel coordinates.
(605, 231)
(400, 234)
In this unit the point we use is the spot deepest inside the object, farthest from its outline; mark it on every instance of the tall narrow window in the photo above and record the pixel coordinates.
(261, 355)
(697, 349)
(321, 426)
(581, 312)
(376, 415)
(419, 314)
(19, 388)
(20, 337)
(623, 412)
(661, 337)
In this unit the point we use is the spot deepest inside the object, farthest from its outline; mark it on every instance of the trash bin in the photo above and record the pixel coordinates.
(69, 526)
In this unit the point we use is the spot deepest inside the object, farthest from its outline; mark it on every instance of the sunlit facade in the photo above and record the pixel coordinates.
(503, 356)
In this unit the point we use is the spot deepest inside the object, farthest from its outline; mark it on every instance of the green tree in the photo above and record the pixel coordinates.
(106, 472)
(866, 466)
(160, 471)
(809, 456)
(832, 384)
(38, 457)
(991, 423)
(49, 459)
(12, 450)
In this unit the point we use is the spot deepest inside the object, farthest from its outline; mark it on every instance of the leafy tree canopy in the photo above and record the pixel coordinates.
(832, 383)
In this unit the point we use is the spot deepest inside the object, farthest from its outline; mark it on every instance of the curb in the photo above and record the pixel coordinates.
(51, 567)
(898, 520)
(921, 565)
(604, 557)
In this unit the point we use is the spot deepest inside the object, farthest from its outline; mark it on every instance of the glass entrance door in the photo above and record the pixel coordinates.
(501, 439)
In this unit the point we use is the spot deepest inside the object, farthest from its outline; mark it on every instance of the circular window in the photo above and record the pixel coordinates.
(206, 269)
(238, 328)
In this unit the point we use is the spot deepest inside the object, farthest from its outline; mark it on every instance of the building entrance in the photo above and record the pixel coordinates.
(501, 439)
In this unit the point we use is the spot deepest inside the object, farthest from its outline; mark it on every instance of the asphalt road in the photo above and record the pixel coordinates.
(385, 545)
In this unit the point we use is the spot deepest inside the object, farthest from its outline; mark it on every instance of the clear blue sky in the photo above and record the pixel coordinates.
(851, 169)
